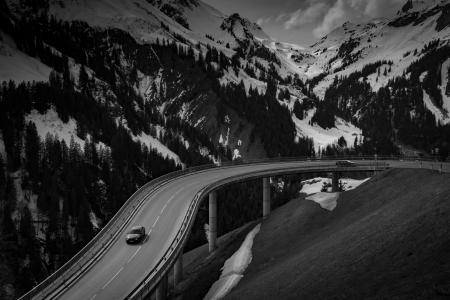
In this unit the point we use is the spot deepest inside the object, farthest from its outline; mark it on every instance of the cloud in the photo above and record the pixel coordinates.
(335, 16)
(262, 21)
(379, 8)
(306, 16)
(352, 10)
(281, 17)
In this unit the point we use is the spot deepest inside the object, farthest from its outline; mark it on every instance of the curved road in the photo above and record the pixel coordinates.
(122, 267)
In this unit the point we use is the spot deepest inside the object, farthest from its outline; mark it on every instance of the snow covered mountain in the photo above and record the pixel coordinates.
(352, 46)
(191, 24)
(410, 46)
(391, 44)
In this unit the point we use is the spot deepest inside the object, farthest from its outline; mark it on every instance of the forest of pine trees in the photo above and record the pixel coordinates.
(386, 116)
(67, 182)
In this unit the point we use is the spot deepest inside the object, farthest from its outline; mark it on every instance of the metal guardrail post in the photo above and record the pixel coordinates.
(266, 197)
(212, 221)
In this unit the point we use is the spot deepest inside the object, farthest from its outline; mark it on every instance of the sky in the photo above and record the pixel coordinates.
(305, 21)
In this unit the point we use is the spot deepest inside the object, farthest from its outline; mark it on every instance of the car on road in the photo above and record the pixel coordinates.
(345, 163)
(135, 235)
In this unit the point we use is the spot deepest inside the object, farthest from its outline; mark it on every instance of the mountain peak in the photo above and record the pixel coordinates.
(241, 27)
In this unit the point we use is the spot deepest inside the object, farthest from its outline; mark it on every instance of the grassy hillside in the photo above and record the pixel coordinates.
(388, 239)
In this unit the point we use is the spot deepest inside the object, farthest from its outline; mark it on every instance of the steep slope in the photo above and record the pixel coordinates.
(389, 238)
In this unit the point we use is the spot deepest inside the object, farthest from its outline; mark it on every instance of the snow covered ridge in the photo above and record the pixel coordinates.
(352, 46)
(242, 28)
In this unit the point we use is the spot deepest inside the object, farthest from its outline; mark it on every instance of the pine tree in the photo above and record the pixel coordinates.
(9, 203)
(84, 80)
(32, 152)
(447, 90)
(2, 182)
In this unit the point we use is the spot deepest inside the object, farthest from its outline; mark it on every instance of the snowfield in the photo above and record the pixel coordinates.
(154, 143)
(323, 137)
(327, 201)
(314, 185)
(444, 80)
(50, 123)
(436, 111)
(233, 268)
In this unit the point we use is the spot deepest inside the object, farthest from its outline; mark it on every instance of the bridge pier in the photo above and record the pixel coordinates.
(161, 289)
(212, 221)
(335, 182)
(178, 270)
(266, 197)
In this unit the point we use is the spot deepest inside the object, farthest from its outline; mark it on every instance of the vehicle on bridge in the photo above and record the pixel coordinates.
(136, 235)
(345, 163)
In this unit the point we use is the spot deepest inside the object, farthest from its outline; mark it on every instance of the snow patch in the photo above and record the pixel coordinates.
(312, 186)
(94, 221)
(236, 154)
(323, 137)
(315, 185)
(436, 111)
(233, 269)
(327, 201)
(52, 124)
(154, 143)
(444, 77)
(2, 148)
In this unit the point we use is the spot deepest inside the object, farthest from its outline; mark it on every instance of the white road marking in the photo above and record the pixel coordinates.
(164, 207)
(92, 298)
(134, 254)
(112, 278)
(156, 221)
(170, 199)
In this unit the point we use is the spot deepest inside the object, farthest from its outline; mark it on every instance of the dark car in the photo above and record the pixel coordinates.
(345, 163)
(135, 235)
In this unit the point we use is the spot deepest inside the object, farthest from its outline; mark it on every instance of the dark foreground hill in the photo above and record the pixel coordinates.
(388, 239)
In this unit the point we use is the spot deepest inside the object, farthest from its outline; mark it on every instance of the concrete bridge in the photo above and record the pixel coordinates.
(107, 268)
